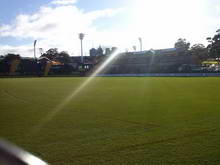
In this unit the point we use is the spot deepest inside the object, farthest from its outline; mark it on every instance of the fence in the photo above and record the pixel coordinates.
(162, 75)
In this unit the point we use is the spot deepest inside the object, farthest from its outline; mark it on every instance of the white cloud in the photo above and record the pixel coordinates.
(57, 26)
(64, 2)
(24, 50)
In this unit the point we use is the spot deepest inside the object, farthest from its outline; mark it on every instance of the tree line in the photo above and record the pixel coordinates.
(199, 50)
(30, 66)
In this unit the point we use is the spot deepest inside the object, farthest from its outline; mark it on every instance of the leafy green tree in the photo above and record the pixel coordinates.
(214, 45)
(10, 63)
(199, 51)
(51, 53)
(63, 57)
(10, 57)
(182, 45)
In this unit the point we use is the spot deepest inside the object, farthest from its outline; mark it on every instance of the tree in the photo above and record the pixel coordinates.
(11, 62)
(51, 53)
(4, 66)
(199, 51)
(214, 46)
(182, 45)
(10, 57)
(63, 57)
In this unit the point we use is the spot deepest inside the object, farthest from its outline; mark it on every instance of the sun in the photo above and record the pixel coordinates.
(170, 19)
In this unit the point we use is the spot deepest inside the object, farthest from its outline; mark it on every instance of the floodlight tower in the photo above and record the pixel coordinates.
(81, 37)
(35, 42)
(140, 40)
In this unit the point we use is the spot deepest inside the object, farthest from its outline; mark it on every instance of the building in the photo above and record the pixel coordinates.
(150, 61)
(93, 52)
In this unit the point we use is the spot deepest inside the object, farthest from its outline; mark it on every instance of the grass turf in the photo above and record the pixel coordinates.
(114, 120)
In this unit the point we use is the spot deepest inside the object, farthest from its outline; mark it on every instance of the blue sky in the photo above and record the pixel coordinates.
(56, 23)
(9, 9)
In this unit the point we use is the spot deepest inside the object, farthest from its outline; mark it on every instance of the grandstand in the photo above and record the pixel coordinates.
(152, 61)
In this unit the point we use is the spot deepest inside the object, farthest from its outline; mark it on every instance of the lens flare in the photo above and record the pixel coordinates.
(74, 93)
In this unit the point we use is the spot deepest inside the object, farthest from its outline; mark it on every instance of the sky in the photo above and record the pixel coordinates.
(106, 23)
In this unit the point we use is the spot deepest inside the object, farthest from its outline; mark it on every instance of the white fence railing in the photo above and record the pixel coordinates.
(162, 75)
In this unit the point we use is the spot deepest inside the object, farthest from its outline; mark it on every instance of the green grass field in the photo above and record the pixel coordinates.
(160, 121)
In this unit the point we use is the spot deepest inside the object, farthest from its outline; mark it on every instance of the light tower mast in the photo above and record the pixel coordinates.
(81, 37)
(35, 42)
(140, 40)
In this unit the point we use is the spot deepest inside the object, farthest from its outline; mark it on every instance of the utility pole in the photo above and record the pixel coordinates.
(81, 37)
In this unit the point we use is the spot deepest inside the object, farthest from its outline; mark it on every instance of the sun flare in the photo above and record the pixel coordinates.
(156, 19)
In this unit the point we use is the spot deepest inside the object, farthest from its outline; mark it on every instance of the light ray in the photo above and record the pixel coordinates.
(75, 92)
(151, 62)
